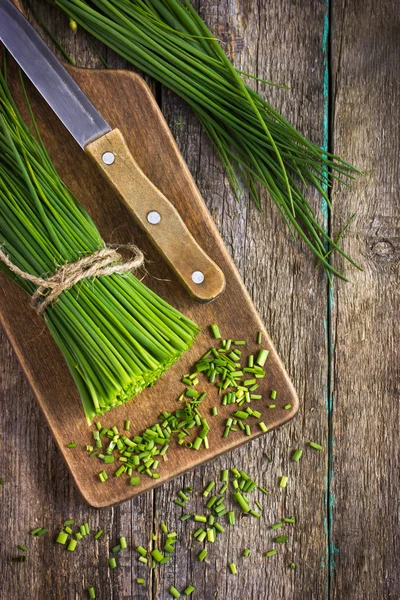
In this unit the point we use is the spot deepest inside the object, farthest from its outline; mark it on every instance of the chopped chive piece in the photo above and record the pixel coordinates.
(35, 531)
(116, 548)
(223, 489)
(78, 536)
(215, 331)
(23, 548)
(283, 481)
(201, 536)
(297, 455)
(179, 503)
(157, 555)
(71, 445)
(214, 411)
(262, 357)
(185, 517)
(247, 429)
(211, 535)
(98, 534)
(86, 526)
(140, 580)
(277, 525)
(259, 337)
(197, 443)
(62, 538)
(225, 475)
(68, 530)
(141, 550)
(201, 556)
(143, 560)
(112, 562)
(200, 518)
(122, 543)
(163, 527)
(69, 522)
(315, 446)
(233, 569)
(263, 490)
(289, 519)
(271, 553)
(92, 593)
(292, 565)
(42, 532)
(189, 590)
(82, 530)
(174, 592)
(21, 558)
(263, 427)
(119, 471)
(211, 502)
(273, 395)
(259, 505)
(127, 425)
(183, 495)
(72, 545)
(241, 414)
(208, 489)
(108, 460)
(246, 552)
(287, 406)
(281, 539)
(271, 405)
(134, 481)
(231, 517)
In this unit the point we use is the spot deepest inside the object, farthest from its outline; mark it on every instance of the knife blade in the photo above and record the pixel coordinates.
(202, 278)
(47, 74)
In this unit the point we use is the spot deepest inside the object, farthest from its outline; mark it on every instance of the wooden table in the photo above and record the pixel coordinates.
(340, 345)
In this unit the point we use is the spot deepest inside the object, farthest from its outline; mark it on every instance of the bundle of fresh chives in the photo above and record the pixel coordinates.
(116, 335)
(169, 41)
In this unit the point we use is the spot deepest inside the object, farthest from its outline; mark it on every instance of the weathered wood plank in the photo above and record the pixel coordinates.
(365, 496)
(282, 42)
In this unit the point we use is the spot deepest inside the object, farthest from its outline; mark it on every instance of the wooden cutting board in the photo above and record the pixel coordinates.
(126, 102)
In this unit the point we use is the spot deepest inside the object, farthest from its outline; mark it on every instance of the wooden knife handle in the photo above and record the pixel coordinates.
(203, 279)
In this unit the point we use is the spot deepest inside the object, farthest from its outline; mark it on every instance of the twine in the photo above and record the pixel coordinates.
(106, 261)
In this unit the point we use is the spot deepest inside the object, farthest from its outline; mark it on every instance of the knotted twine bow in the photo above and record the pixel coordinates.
(106, 261)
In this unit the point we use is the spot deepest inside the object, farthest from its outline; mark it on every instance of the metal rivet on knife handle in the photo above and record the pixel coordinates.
(197, 277)
(108, 158)
(153, 217)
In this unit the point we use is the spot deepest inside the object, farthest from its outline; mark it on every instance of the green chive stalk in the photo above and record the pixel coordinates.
(116, 335)
(169, 41)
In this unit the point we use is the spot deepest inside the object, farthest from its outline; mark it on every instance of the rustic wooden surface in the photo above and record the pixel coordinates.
(341, 348)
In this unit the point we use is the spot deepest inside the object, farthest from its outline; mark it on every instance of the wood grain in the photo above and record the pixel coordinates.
(365, 364)
(287, 43)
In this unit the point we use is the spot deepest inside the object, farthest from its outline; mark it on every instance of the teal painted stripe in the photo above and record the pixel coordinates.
(329, 500)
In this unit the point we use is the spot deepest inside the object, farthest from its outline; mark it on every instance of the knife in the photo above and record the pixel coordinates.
(202, 278)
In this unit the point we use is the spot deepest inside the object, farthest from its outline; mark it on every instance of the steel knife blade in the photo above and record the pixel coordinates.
(49, 76)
